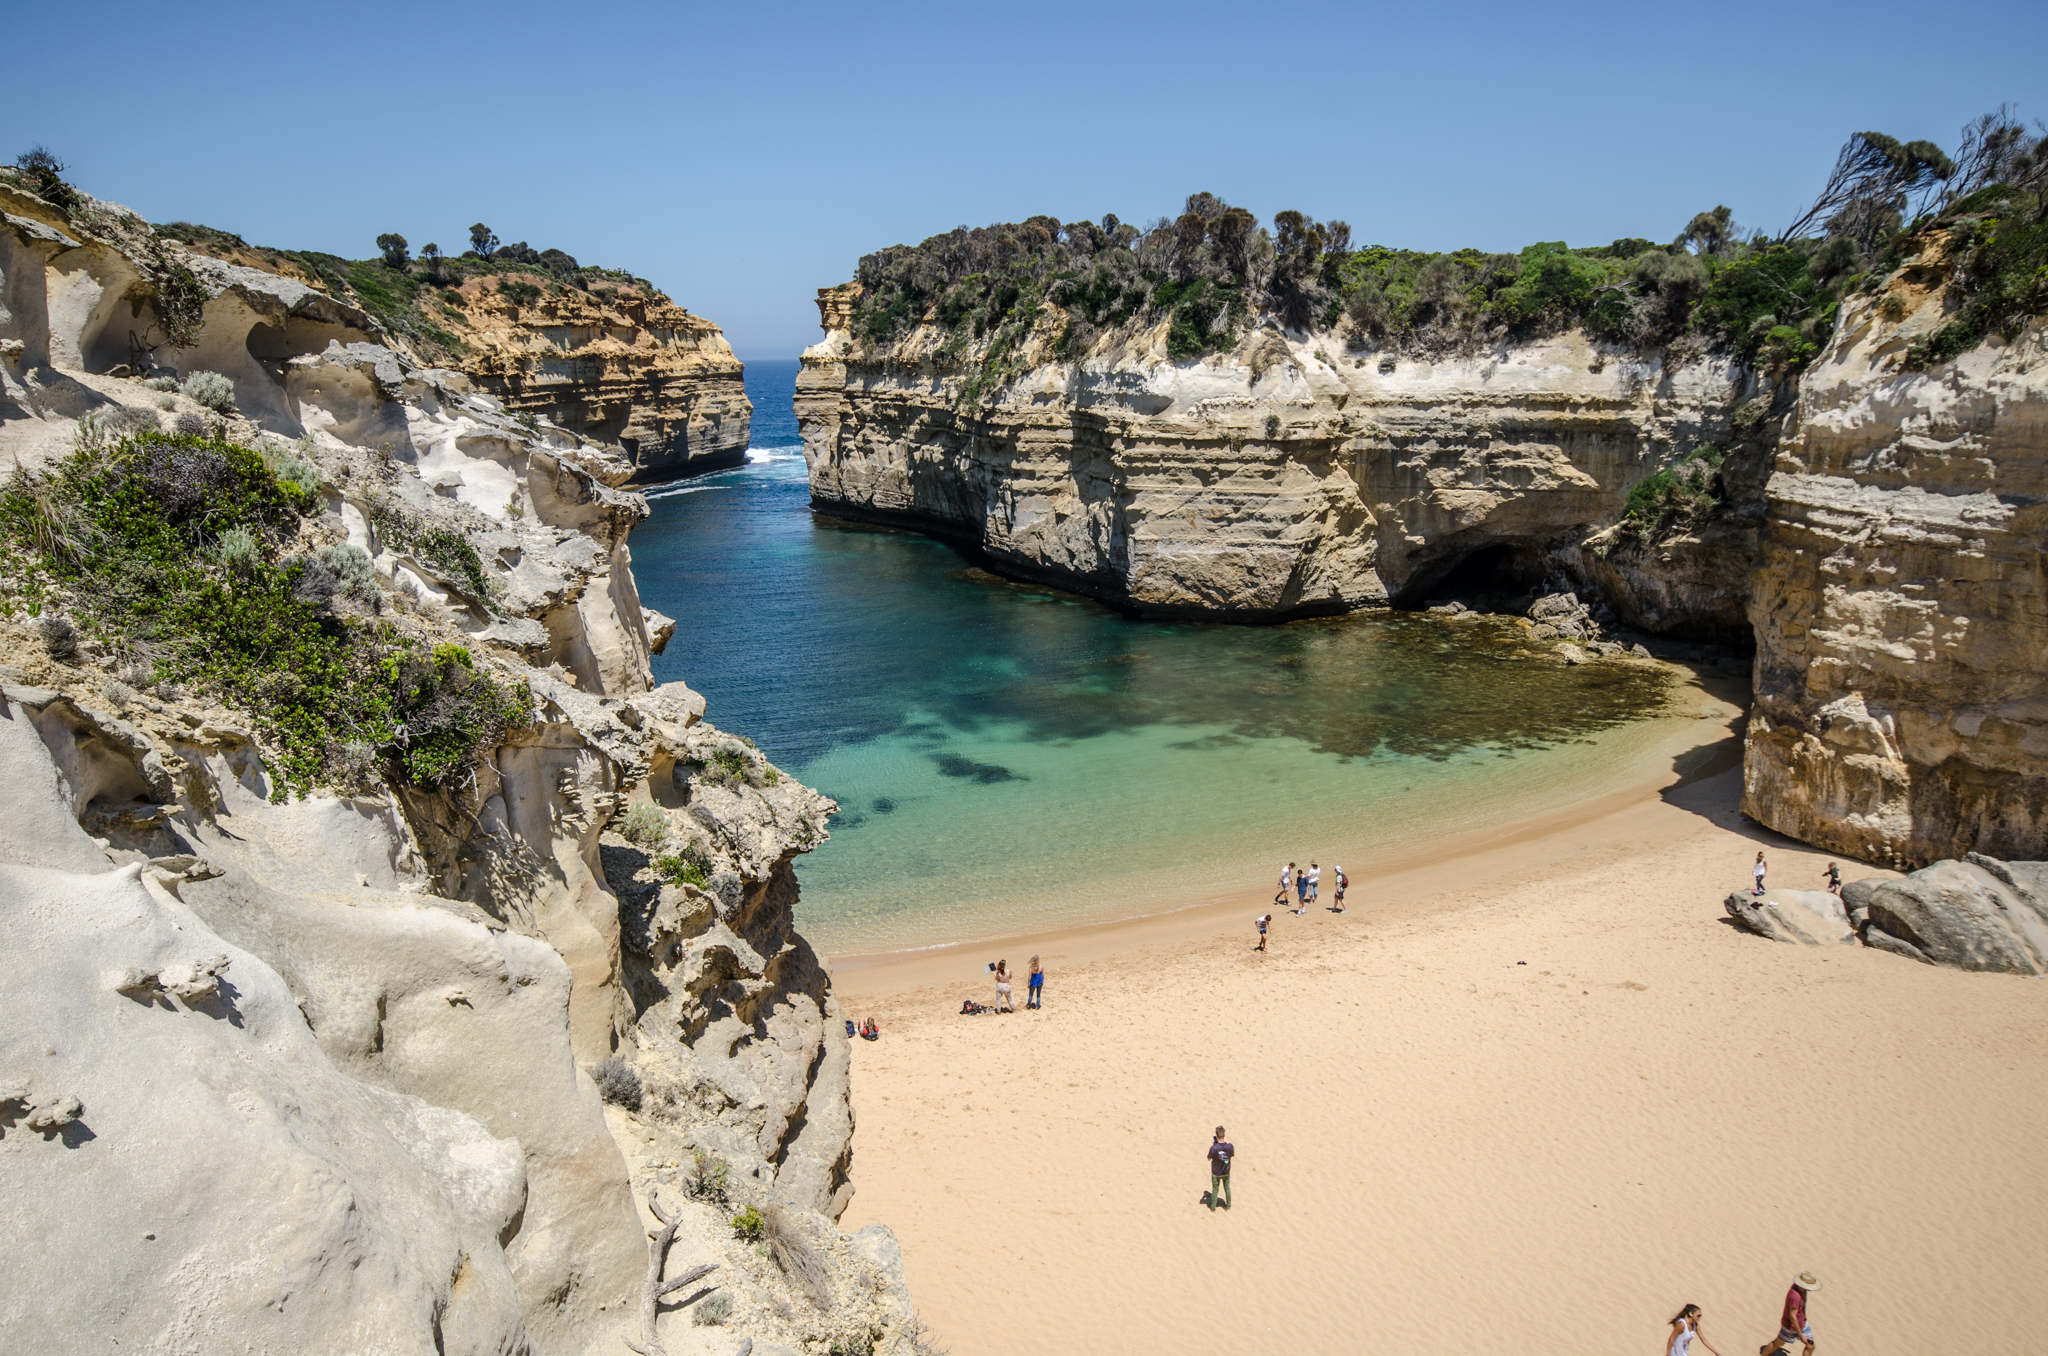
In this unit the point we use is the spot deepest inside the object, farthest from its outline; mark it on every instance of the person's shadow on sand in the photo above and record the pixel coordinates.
(1212, 1204)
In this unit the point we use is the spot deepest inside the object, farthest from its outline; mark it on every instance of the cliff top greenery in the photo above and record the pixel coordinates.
(1214, 271)
(183, 559)
(419, 297)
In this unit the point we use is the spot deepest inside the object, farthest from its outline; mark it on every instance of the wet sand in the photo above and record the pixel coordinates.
(1531, 1095)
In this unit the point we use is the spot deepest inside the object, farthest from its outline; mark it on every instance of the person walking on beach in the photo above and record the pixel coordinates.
(1221, 1151)
(1262, 921)
(1834, 875)
(1286, 884)
(1792, 1323)
(1301, 893)
(1035, 998)
(1343, 883)
(1315, 883)
(1758, 872)
(1685, 1330)
(1003, 1003)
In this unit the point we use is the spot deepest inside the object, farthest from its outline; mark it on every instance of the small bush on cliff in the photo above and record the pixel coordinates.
(688, 867)
(712, 1310)
(618, 1083)
(749, 1224)
(644, 825)
(709, 1177)
(1679, 495)
(180, 548)
(210, 389)
(46, 173)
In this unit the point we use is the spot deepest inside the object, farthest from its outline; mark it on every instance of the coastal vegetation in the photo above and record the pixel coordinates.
(423, 298)
(193, 564)
(1213, 271)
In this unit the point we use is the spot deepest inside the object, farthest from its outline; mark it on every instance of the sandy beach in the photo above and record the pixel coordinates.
(1531, 1096)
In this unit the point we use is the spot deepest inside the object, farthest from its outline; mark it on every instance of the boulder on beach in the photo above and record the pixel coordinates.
(1807, 917)
(1975, 914)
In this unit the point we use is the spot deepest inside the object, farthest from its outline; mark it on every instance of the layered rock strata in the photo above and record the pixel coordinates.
(1286, 477)
(638, 373)
(318, 1069)
(1901, 602)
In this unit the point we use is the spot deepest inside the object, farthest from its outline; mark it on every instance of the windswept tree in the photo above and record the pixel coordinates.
(1878, 184)
(482, 240)
(437, 267)
(392, 245)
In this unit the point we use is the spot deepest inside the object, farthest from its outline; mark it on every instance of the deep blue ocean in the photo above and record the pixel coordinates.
(1009, 757)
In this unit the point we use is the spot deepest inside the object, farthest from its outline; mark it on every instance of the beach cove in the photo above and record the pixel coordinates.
(1530, 1096)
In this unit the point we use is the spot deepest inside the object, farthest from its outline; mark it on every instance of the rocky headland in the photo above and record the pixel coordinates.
(395, 965)
(596, 351)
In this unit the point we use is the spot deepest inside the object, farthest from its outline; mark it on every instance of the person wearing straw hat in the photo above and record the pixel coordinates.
(1792, 1324)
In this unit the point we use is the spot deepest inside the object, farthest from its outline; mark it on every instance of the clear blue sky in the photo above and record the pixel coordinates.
(745, 154)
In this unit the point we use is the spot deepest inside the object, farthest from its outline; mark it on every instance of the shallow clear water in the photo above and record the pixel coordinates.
(1008, 757)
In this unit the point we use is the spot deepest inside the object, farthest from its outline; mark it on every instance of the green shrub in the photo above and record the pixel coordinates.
(709, 1177)
(172, 545)
(1688, 491)
(689, 867)
(712, 1310)
(210, 389)
(749, 1224)
(729, 765)
(448, 550)
(644, 825)
(519, 293)
(1998, 278)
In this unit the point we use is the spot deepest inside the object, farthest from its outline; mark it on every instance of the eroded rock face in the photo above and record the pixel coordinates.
(638, 373)
(374, 1014)
(1287, 477)
(1900, 607)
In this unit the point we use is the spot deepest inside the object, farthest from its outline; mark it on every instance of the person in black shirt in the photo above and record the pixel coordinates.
(1220, 1154)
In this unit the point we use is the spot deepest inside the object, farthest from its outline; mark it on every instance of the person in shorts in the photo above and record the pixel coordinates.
(1262, 921)
(1035, 995)
(1793, 1325)
(1221, 1151)
(1301, 893)
(1315, 882)
(1343, 883)
(1286, 885)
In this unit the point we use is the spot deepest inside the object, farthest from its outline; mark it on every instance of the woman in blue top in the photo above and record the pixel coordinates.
(1035, 999)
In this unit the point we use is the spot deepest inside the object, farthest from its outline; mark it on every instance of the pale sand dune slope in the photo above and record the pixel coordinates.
(1441, 1150)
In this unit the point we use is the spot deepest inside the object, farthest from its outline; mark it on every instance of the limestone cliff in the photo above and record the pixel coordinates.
(625, 368)
(603, 355)
(1289, 475)
(317, 1066)
(1900, 604)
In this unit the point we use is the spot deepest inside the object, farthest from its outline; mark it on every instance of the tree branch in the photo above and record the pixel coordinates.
(653, 1288)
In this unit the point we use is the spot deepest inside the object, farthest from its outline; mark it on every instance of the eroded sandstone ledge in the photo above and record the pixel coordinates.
(1291, 476)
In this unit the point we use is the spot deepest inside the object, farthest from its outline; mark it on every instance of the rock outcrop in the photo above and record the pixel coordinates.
(1286, 477)
(633, 371)
(1805, 917)
(1901, 604)
(370, 1014)
(1975, 914)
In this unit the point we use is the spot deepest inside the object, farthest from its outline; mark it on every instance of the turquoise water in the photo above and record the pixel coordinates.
(1009, 757)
